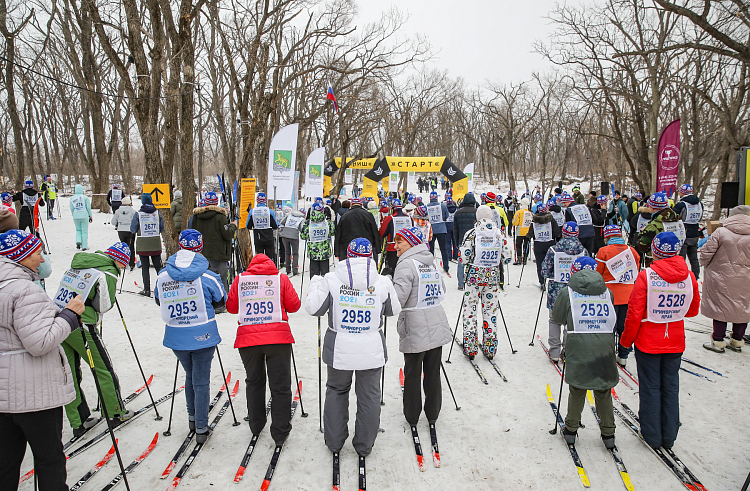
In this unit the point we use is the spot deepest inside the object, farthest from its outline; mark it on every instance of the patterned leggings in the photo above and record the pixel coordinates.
(488, 296)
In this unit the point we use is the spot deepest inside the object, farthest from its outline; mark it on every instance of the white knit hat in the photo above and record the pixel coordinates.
(484, 211)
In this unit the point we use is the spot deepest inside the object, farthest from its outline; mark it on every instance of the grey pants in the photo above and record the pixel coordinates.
(291, 248)
(336, 412)
(690, 249)
(555, 341)
(222, 269)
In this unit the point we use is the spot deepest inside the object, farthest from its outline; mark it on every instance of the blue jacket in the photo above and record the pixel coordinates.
(204, 335)
(440, 228)
(84, 212)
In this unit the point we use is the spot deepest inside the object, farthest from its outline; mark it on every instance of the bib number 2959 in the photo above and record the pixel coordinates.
(260, 308)
(357, 316)
(181, 309)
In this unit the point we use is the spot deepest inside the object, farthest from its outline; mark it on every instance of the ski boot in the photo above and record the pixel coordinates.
(570, 436)
(609, 441)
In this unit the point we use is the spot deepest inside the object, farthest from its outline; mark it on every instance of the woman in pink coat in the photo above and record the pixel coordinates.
(726, 287)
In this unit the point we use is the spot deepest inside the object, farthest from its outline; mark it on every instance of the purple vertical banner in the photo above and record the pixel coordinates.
(668, 158)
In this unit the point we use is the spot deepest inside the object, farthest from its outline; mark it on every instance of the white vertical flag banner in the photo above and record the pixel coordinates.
(282, 157)
(469, 171)
(314, 176)
(348, 176)
(393, 183)
(411, 181)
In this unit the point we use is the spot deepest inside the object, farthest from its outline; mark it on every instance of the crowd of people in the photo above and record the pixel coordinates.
(605, 266)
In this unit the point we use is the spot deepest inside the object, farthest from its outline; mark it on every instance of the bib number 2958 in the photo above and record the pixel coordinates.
(357, 316)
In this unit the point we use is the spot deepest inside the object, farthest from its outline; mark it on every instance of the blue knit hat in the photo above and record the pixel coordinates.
(28, 184)
(566, 198)
(17, 245)
(317, 206)
(396, 203)
(541, 208)
(7, 198)
(538, 197)
(612, 231)
(601, 200)
(359, 248)
(421, 211)
(638, 195)
(191, 240)
(582, 263)
(261, 199)
(211, 199)
(570, 229)
(658, 201)
(329, 202)
(146, 199)
(412, 235)
(120, 252)
(664, 245)
(686, 189)
(433, 196)
(319, 200)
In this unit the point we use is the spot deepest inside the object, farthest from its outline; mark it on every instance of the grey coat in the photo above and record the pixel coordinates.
(291, 232)
(123, 218)
(39, 378)
(418, 329)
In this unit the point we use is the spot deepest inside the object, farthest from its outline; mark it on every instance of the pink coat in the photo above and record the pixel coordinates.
(726, 260)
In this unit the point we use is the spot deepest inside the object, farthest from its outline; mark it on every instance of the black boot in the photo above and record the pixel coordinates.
(570, 436)
(609, 441)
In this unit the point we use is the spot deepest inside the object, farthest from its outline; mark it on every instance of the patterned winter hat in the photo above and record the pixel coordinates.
(566, 198)
(115, 186)
(483, 197)
(359, 248)
(665, 244)
(491, 197)
(7, 199)
(541, 208)
(317, 206)
(412, 235)
(120, 252)
(421, 211)
(448, 198)
(550, 203)
(211, 199)
(658, 201)
(355, 202)
(612, 231)
(570, 229)
(686, 189)
(538, 197)
(28, 184)
(261, 199)
(17, 245)
(601, 200)
(191, 240)
(319, 200)
(638, 195)
(448, 193)
(582, 263)
(433, 196)
(329, 202)
(396, 203)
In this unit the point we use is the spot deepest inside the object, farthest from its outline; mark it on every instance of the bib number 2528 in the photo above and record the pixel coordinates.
(672, 300)
(357, 316)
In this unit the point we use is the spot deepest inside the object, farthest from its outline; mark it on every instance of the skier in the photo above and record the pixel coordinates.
(388, 230)
(690, 211)
(521, 223)
(121, 220)
(356, 298)
(663, 295)
(581, 214)
(661, 215)
(586, 308)
(598, 212)
(80, 208)
(49, 190)
(556, 268)
(317, 232)
(262, 221)
(545, 232)
(556, 211)
(93, 276)
(422, 326)
(482, 253)
(192, 333)
(114, 197)
(354, 224)
(463, 222)
(7, 201)
(176, 209)
(289, 231)
(147, 224)
(495, 203)
(34, 373)
(619, 265)
(452, 208)
(438, 215)
(578, 198)
(28, 198)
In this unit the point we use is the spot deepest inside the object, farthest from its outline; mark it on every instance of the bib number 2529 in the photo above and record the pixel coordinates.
(595, 310)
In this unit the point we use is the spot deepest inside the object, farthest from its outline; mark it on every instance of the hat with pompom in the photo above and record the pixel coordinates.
(582, 263)
(359, 248)
(665, 245)
(191, 240)
(570, 229)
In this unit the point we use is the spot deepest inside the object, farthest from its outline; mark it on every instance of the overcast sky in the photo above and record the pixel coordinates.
(477, 40)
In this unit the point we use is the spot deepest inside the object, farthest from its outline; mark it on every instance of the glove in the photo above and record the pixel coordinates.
(91, 219)
(507, 260)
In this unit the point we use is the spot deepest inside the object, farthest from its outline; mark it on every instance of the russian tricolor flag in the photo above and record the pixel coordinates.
(331, 96)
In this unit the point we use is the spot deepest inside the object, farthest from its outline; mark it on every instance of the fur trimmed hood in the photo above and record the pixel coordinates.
(203, 209)
(542, 218)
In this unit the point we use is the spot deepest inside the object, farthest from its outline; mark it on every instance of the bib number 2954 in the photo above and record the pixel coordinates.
(357, 316)
(181, 309)
(672, 300)
(432, 290)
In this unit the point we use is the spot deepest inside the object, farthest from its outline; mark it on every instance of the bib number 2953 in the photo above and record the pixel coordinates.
(672, 300)
(181, 309)
(357, 316)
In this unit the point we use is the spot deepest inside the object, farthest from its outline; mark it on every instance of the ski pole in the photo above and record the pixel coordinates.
(171, 408)
(223, 374)
(458, 408)
(320, 377)
(294, 364)
(140, 367)
(553, 431)
(104, 406)
(382, 383)
(523, 266)
(544, 288)
(513, 351)
(304, 259)
(460, 312)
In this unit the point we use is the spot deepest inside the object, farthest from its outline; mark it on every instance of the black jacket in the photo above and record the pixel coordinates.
(464, 219)
(19, 196)
(542, 218)
(213, 223)
(692, 230)
(354, 224)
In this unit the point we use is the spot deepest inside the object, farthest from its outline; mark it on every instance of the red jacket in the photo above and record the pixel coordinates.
(273, 333)
(650, 337)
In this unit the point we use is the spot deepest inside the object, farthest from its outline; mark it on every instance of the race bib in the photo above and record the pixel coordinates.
(623, 267)
(430, 287)
(642, 222)
(667, 302)
(677, 228)
(527, 218)
(149, 224)
(693, 213)
(319, 231)
(259, 298)
(75, 281)
(262, 218)
(435, 214)
(293, 221)
(488, 252)
(559, 217)
(543, 232)
(357, 311)
(563, 263)
(592, 314)
(400, 223)
(182, 303)
(79, 203)
(582, 214)
(117, 195)
(30, 201)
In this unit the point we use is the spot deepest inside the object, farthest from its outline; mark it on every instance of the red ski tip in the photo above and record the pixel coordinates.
(168, 470)
(336, 488)
(264, 486)
(174, 484)
(236, 388)
(420, 461)
(401, 376)
(240, 473)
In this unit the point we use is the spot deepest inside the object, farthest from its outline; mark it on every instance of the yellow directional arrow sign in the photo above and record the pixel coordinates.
(159, 194)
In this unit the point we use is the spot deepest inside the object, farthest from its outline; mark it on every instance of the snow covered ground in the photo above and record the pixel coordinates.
(498, 440)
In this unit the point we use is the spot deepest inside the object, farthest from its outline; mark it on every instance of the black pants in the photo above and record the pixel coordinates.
(156, 261)
(659, 409)
(129, 239)
(275, 357)
(622, 313)
(540, 252)
(267, 247)
(25, 221)
(42, 430)
(50, 208)
(588, 244)
(391, 258)
(319, 268)
(414, 365)
(690, 250)
(522, 251)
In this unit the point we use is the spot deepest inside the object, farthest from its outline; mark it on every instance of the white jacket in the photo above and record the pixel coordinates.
(37, 376)
(123, 217)
(348, 345)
